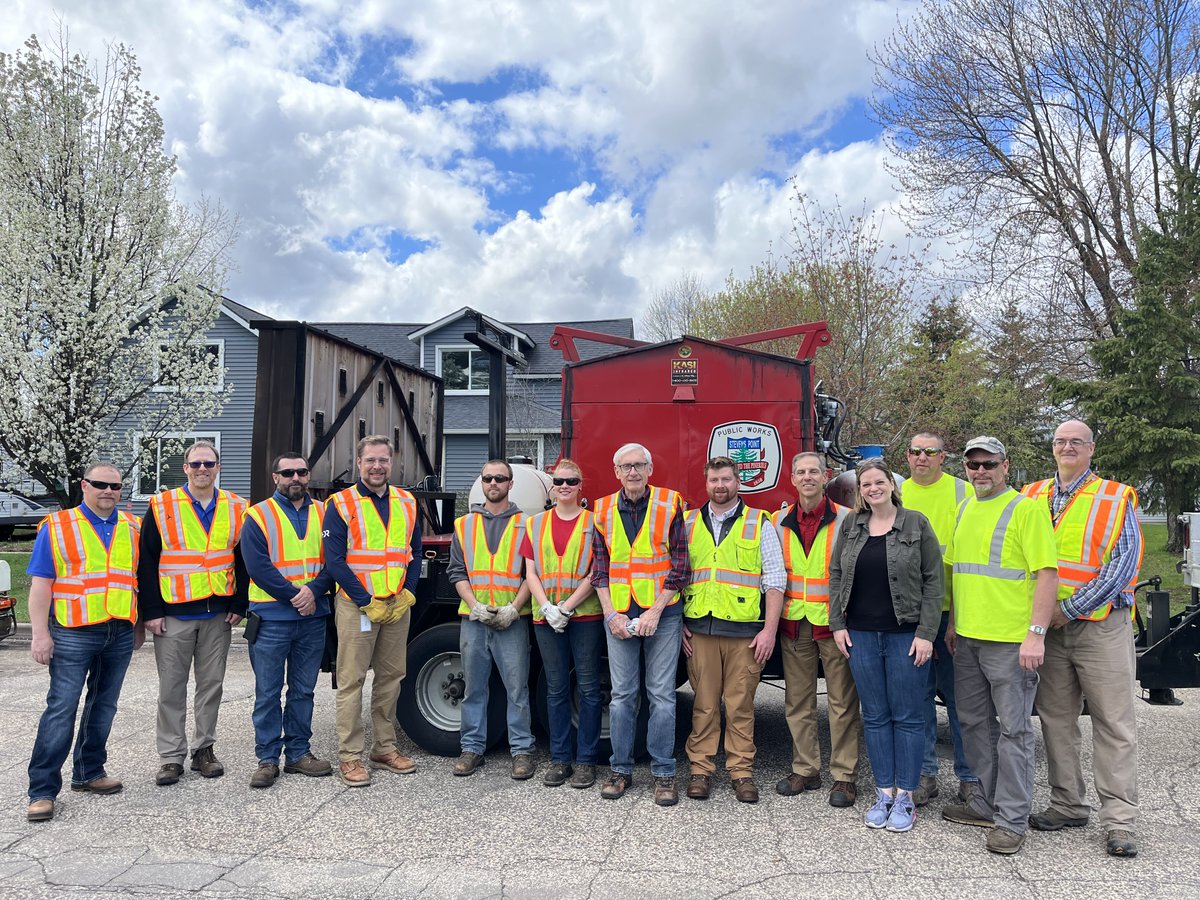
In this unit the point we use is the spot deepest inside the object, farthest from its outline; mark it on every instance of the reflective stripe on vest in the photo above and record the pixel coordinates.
(637, 571)
(196, 564)
(378, 556)
(992, 567)
(298, 561)
(726, 577)
(1086, 532)
(807, 594)
(92, 584)
(560, 575)
(495, 577)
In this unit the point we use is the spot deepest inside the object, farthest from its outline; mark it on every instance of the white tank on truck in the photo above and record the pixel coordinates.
(530, 489)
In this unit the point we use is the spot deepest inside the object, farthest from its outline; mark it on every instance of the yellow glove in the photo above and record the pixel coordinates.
(377, 611)
(398, 605)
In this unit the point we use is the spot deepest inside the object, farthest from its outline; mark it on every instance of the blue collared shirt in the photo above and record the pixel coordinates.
(41, 560)
(262, 570)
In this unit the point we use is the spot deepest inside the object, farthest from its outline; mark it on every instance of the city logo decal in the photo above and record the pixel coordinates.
(755, 450)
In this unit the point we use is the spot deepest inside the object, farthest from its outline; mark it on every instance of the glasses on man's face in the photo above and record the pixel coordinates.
(1073, 443)
(626, 468)
(197, 464)
(559, 482)
(928, 451)
(498, 479)
(291, 473)
(105, 485)
(989, 464)
(377, 461)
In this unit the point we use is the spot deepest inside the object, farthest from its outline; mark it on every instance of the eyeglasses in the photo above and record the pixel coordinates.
(1073, 443)
(498, 479)
(559, 482)
(626, 468)
(288, 473)
(198, 464)
(988, 464)
(104, 485)
(376, 461)
(928, 451)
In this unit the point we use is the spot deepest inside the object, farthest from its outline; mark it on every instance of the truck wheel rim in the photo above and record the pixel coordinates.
(440, 687)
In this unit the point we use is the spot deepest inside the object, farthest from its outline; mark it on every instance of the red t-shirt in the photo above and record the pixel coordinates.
(560, 534)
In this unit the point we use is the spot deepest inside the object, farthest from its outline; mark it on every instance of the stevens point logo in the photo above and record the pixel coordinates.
(755, 451)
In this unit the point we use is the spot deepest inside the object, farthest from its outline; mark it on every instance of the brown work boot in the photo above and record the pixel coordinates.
(40, 811)
(699, 787)
(584, 777)
(206, 763)
(665, 793)
(965, 814)
(467, 763)
(264, 776)
(843, 794)
(170, 773)
(1120, 843)
(927, 789)
(557, 774)
(616, 786)
(308, 765)
(105, 784)
(394, 762)
(1001, 840)
(353, 773)
(745, 790)
(522, 767)
(795, 784)
(1050, 819)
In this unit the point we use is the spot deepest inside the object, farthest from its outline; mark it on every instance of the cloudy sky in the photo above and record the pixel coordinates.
(394, 160)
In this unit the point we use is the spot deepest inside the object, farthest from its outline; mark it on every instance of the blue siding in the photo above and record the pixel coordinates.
(465, 455)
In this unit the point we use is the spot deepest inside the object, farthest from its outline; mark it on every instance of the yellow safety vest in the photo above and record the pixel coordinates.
(378, 555)
(939, 502)
(727, 577)
(298, 561)
(196, 564)
(1086, 533)
(495, 577)
(807, 594)
(638, 572)
(999, 545)
(560, 575)
(92, 583)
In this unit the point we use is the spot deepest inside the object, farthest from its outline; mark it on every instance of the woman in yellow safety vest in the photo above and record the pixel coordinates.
(568, 623)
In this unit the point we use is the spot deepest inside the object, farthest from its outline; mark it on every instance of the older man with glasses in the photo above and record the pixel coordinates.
(192, 591)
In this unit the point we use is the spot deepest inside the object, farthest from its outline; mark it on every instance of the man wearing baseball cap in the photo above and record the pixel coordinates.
(1005, 580)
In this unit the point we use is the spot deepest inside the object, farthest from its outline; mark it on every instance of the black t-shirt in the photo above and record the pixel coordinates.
(870, 607)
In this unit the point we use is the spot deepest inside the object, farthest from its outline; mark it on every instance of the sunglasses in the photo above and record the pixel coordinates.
(201, 464)
(288, 473)
(499, 479)
(928, 451)
(104, 485)
(988, 464)
(559, 482)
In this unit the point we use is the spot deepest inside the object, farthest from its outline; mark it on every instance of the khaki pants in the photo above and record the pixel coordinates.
(384, 649)
(722, 668)
(1093, 661)
(202, 644)
(800, 705)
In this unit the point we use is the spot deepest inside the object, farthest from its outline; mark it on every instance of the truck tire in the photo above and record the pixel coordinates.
(430, 705)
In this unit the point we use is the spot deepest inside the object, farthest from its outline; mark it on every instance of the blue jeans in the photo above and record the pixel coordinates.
(941, 681)
(479, 645)
(581, 643)
(95, 656)
(892, 692)
(661, 654)
(297, 645)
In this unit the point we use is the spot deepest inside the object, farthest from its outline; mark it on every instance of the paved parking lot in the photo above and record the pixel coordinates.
(433, 835)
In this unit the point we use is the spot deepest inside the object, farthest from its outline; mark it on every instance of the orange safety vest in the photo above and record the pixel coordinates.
(298, 561)
(637, 571)
(92, 583)
(379, 557)
(807, 594)
(560, 575)
(1086, 532)
(495, 577)
(196, 564)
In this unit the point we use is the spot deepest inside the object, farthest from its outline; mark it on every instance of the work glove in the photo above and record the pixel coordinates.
(481, 613)
(554, 617)
(400, 604)
(377, 611)
(505, 616)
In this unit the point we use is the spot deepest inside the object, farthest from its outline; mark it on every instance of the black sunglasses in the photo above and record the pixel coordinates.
(928, 451)
(202, 464)
(288, 473)
(559, 482)
(988, 464)
(104, 485)
(499, 479)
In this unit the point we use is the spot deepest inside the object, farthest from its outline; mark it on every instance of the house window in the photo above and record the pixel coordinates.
(160, 463)
(463, 369)
(214, 378)
(524, 446)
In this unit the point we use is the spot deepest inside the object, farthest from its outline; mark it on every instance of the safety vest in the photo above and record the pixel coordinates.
(495, 577)
(993, 589)
(939, 502)
(560, 575)
(379, 555)
(726, 577)
(638, 572)
(1086, 533)
(196, 564)
(298, 561)
(92, 583)
(807, 594)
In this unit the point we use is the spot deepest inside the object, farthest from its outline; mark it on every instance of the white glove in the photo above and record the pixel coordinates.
(481, 613)
(633, 627)
(505, 616)
(554, 617)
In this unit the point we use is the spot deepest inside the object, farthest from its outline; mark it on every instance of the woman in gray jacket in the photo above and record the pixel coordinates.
(886, 584)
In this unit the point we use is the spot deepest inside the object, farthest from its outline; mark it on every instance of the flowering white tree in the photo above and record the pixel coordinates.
(107, 284)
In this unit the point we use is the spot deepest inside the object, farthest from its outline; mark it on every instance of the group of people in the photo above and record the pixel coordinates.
(969, 590)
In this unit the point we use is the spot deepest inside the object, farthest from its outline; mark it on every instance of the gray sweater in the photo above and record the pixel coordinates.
(493, 528)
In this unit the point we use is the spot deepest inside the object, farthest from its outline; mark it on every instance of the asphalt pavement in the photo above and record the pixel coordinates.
(433, 835)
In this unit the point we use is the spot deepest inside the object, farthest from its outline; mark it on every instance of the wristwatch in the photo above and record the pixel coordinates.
(1037, 629)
